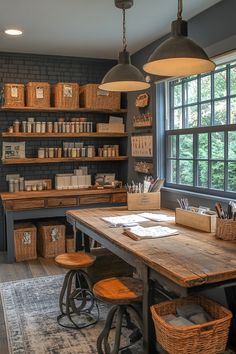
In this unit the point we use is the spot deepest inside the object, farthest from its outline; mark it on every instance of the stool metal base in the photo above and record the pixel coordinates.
(77, 301)
(123, 312)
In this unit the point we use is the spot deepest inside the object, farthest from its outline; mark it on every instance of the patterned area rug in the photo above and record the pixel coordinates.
(30, 311)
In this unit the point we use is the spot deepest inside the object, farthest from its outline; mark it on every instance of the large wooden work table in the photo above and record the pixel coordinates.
(52, 203)
(188, 262)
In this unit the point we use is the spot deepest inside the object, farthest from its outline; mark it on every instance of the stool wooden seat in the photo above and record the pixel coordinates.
(120, 290)
(126, 294)
(76, 299)
(75, 260)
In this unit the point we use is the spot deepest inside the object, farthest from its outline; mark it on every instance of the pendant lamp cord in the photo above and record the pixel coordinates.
(124, 31)
(180, 9)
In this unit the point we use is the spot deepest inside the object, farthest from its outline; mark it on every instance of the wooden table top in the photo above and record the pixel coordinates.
(189, 259)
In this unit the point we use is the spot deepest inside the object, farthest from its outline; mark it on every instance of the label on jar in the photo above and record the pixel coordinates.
(67, 91)
(39, 92)
(14, 91)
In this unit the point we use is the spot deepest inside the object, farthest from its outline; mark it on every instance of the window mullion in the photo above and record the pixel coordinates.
(177, 159)
(195, 150)
(209, 160)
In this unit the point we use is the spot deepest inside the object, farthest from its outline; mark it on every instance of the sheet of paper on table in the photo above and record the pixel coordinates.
(139, 232)
(124, 220)
(157, 217)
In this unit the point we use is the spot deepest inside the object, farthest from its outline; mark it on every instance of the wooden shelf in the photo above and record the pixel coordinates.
(61, 159)
(63, 135)
(5, 196)
(54, 109)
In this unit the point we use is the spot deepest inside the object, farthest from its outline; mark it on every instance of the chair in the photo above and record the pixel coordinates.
(125, 293)
(76, 298)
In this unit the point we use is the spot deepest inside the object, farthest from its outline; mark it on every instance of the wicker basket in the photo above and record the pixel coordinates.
(51, 239)
(66, 95)
(14, 95)
(226, 229)
(92, 97)
(207, 338)
(38, 94)
(25, 241)
(70, 245)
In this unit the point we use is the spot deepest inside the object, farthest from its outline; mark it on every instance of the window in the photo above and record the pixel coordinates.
(201, 131)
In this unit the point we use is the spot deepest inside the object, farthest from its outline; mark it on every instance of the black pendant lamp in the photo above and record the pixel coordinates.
(178, 55)
(124, 76)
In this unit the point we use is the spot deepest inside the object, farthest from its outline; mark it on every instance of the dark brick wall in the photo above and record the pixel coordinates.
(22, 68)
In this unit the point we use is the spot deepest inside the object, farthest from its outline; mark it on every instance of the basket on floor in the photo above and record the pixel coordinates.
(207, 338)
(226, 229)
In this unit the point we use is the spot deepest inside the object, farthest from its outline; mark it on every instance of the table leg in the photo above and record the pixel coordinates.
(230, 293)
(10, 238)
(148, 333)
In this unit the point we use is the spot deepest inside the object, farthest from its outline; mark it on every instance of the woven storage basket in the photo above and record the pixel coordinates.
(51, 239)
(66, 95)
(25, 241)
(92, 97)
(207, 338)
(14, 95)
(38, 94)
(70, 245)
(226, 229)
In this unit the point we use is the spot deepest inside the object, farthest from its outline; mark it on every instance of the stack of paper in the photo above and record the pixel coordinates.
(139, 232)
(157, 217)
(125, 220)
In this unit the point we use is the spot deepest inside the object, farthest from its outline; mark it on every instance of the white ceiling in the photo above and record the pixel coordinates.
(87, 28)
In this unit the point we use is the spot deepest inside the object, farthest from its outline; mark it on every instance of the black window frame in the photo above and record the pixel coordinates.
(224, 128)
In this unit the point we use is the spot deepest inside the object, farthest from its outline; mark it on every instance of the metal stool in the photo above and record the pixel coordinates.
(124, 292)
(76, 298)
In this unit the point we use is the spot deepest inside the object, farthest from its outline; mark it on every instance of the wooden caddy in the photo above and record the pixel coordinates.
(195, 220)
(144, 201)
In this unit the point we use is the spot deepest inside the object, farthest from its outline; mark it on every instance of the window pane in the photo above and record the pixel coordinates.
(190, 91)
(231, 177)
(203, 146)
(186, 146)
(217, 175)
(202, 171)
(178, 118)
(233, 81)
(220, 112)
(171, 171)
(186, 172)
(177, 95)
(217, 145)
(191, 117)
(206, 114)
(233, 110)
(220, 84)
(232, 145)
(172, 146)
(206, 88)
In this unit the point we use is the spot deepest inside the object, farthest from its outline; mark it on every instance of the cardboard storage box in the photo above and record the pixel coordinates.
(144, 201)
(66, 95)
(110, 128)
(51, 238)
(14, 95)
(195, 220)
(92, 97)
(25, 241)
(38, 94)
